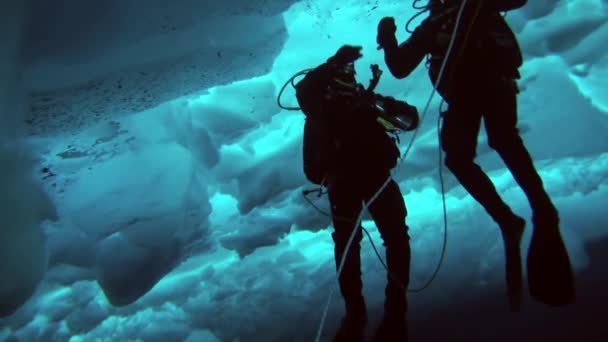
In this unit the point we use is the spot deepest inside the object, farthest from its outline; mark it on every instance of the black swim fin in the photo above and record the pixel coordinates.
(550, 275)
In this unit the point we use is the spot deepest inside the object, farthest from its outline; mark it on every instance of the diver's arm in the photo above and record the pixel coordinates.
(508, 5)
(402, 59)
(503, 5)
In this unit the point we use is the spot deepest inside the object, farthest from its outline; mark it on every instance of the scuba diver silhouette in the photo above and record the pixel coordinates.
(479, 81)
(347, 148)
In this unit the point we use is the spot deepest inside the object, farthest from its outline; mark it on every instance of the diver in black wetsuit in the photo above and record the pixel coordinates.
(359, 155)
(479, 81)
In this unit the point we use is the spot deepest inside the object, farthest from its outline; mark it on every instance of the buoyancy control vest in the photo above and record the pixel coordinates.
(485, 47)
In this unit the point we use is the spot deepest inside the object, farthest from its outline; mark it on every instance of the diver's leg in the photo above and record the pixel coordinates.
(550, 276)
(389, 213)
(503, 136)
(459, 140)
(345, 207)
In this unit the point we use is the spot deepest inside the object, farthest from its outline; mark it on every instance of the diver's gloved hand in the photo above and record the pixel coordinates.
(345, 55)
(386, 33)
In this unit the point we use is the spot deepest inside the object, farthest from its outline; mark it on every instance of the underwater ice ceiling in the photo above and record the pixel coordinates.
(86, 61)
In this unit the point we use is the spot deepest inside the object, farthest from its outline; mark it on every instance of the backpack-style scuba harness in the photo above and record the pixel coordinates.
(318, 139)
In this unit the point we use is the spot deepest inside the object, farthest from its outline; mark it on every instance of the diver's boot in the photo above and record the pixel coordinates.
(550, 275)
(392, 328)
(351, 286)
(512, 232)
(354, 322)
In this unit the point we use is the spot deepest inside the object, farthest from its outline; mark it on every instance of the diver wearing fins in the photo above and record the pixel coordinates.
(347, 148)
(479, 82)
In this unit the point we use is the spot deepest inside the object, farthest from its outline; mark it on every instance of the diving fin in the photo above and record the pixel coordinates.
(550, 275)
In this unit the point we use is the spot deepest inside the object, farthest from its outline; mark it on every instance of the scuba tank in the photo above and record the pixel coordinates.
(392, 114)
(395, 114)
